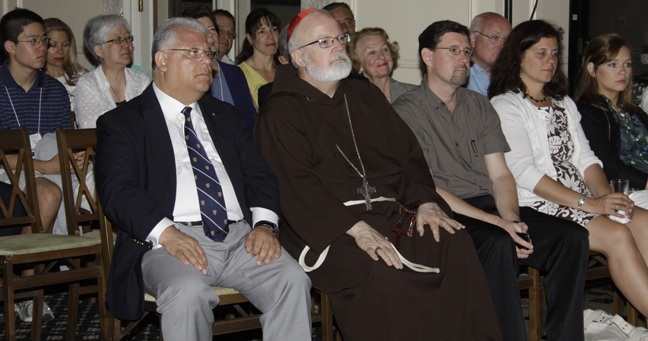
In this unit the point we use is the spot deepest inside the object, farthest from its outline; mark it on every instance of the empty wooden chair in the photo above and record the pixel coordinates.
(40, 251)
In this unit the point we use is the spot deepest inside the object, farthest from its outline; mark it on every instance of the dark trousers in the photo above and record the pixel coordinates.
(560, 252)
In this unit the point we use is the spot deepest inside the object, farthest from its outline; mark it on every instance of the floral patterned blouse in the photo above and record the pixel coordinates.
(561, 148)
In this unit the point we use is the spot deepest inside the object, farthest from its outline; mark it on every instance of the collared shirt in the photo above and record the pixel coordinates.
(454, 143)
(478, 80)
(220, 90)
(187, 207)
(226, 59)
(42, 109)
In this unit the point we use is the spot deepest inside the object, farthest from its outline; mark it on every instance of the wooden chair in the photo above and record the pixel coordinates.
(40, 251)
(80, 200)
(532, 283)
(240, 319)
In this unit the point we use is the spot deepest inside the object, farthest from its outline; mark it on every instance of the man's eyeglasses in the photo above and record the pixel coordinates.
(456, 50)
(36, 41)
(327, 42)
(196, 53)
(120, 40)
(493, 39)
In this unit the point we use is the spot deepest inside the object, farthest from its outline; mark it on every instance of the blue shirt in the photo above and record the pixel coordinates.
(21, 109)
(478, 80)
(220, 89)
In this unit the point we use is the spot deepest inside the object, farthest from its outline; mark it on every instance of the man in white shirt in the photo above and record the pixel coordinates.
(163, 158)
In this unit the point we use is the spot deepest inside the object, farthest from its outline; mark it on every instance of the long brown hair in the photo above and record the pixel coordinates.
(254, 20)
(599, 51)
(506, 70)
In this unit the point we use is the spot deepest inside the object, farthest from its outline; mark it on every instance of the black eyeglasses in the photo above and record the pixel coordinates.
(456, 50)
(196, 53)
(327, 42)
(120, 40)
(36, 41)
(494, 38)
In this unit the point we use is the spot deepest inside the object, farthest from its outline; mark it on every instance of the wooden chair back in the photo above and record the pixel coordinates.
(81, 204)
(42, 252)
(15, 144)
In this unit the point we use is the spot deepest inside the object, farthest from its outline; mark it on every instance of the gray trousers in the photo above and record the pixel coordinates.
(185, 297)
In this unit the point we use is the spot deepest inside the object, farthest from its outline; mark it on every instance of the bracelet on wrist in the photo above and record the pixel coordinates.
(581, 200)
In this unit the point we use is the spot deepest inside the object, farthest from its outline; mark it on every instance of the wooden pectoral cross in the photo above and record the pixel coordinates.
(366, 192)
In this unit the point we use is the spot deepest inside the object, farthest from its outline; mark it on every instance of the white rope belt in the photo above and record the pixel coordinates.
(322, 256)
(362, 201)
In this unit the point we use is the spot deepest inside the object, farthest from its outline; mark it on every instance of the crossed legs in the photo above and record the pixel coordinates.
(626, 249)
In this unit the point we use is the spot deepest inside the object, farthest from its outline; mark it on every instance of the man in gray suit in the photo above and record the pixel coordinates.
(164, 158)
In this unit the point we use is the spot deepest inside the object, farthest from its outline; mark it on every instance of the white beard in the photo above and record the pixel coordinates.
(335, 72)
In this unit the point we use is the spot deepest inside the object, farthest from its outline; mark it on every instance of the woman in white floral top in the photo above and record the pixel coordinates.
(555, 170)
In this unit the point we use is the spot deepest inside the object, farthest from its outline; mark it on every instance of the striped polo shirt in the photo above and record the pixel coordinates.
(21, 109)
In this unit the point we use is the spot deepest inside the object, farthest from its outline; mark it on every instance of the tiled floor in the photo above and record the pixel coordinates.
(596, 298)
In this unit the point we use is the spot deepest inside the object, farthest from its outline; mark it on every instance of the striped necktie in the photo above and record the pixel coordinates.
(210, 192)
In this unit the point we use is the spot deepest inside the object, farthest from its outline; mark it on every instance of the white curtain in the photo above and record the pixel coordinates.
(112, 6)
(314, 3)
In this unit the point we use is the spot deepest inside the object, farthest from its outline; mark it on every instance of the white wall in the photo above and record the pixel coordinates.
(404, 20)
(73, 12)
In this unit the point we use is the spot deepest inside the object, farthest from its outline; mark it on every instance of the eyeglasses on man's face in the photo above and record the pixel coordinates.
(495, 39)
(327, 42)
(456, 50)
(196, 53)
(120, 40)
(36, 41)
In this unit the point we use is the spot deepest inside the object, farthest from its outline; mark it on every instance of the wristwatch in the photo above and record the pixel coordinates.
(271, 225)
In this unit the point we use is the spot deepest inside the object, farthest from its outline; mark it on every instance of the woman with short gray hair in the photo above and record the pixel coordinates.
(107, 38)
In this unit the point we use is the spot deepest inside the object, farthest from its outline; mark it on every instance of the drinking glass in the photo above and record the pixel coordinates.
(620, 186)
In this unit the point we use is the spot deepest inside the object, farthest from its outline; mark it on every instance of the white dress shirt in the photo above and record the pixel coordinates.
(187, 208)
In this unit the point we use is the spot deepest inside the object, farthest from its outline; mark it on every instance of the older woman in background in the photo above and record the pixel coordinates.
(62, 56)
(375, 57)
(109, 40)
(257, 56)
(615, 127)
(555, 170)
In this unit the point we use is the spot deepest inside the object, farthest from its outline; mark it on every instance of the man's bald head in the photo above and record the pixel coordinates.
(489, 30)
